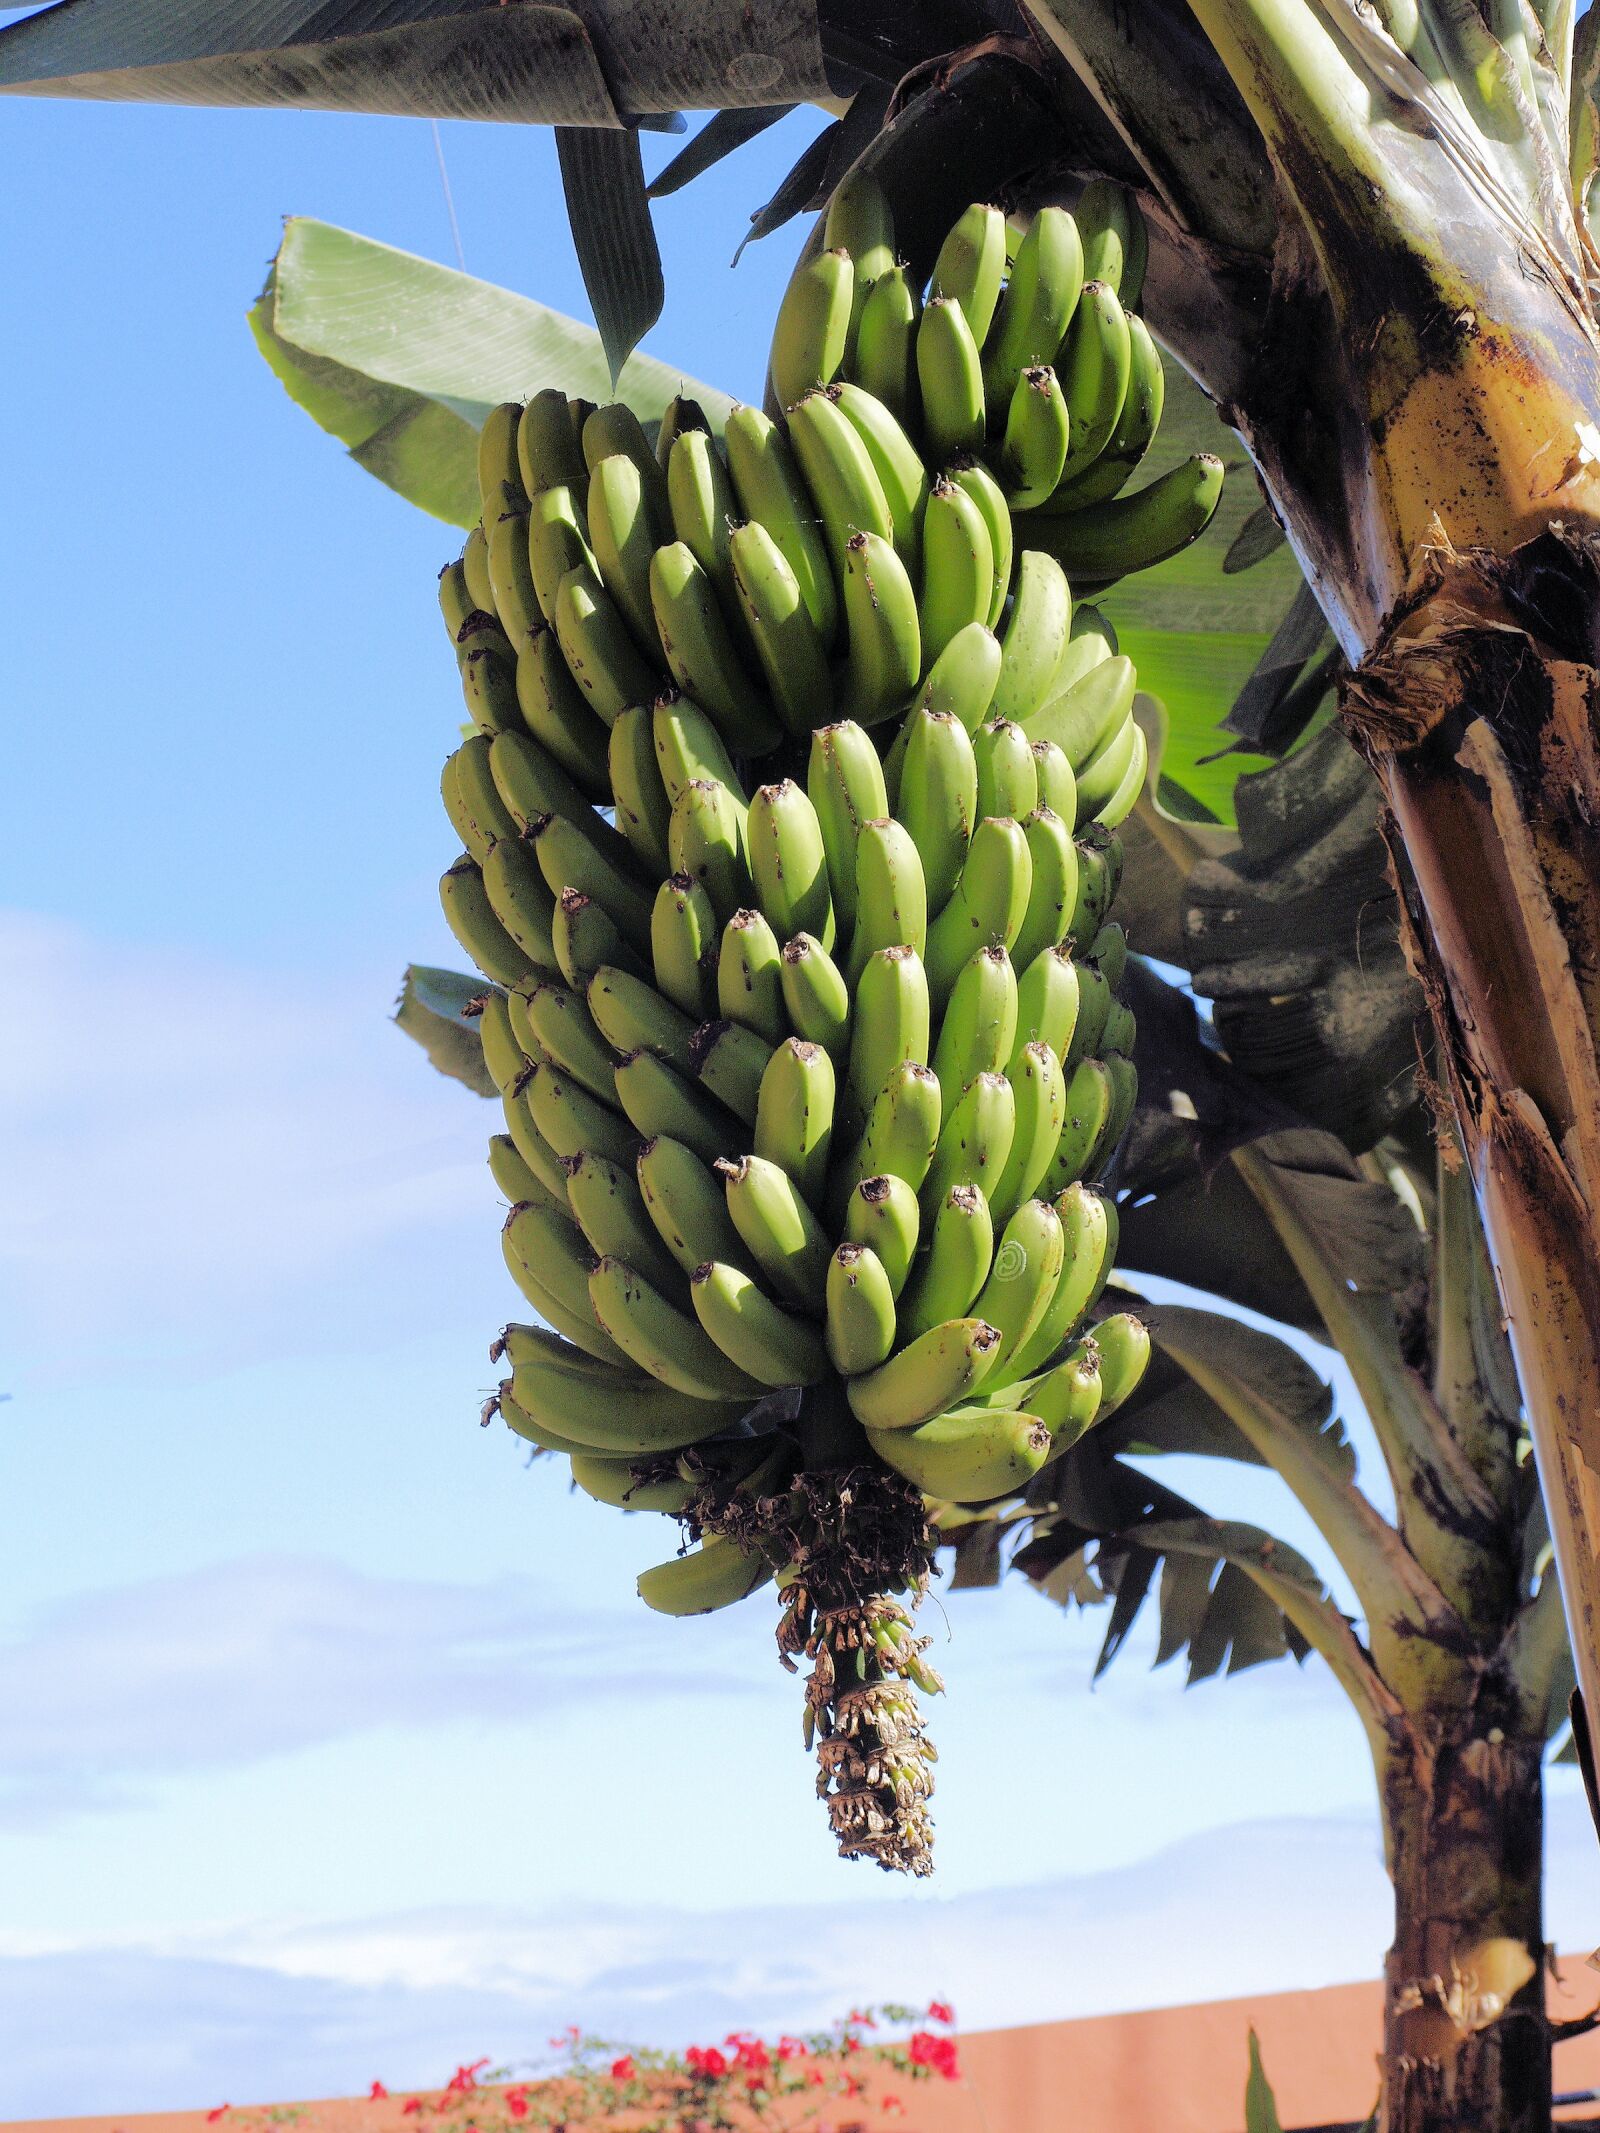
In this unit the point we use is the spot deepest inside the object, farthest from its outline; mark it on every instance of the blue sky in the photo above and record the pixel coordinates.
(334, 1742)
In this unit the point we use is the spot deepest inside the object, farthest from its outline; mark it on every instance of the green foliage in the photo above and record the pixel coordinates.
(432, 1009)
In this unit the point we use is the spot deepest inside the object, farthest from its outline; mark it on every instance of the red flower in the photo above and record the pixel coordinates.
(517, 2106)
(755, 2081)
(791, 2048)
(623, 2069)
(752, 2055)
(937, 2053)
(377, 2089)
(707, 2060)
(465, 2078)
(412, 2106)
(861, 2015)
(940, 2011)
(816, 2077)
(853, 2084)
(213, 2116)
(848, 2043)
(893, 2103)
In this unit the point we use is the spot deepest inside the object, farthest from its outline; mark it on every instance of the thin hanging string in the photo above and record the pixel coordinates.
(449, 197)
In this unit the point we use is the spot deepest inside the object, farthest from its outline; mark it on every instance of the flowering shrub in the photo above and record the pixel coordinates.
(790, 2082)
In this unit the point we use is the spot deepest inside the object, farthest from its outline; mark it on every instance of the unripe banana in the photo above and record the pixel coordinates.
(860, 221)
(881, 622)
(1095, 361)
(895, 460)
(902, 1130)
(607, 1206)
(660, 1102)
(950, 379)
(571, 1118)
(789, 863)
(683, 945)
(561, 1023)
(515, 599)
(618, 1482)
(757, 1336)
(530, 1428)
(556, 712)
(971, 266)
(989, 905)
(813, 325)
(503, 1055)
(844, 781)
(794, 1115)
(625, 531)
(558, 542)
(772, 493)
(1099, 874)
(891, 894)
(1089, 1094)
(957, 567)
(1047, 1003)
(1107, 541)
(1102, 776)
(891, 1022)
(1094, 1005)
(1106, 215)
(1091, 640)
(549, 449)
(955, 1266)
(1067, 1399)
(477, 813)
(1109, 949)
(1122, 802)
(1123, 1342)
(455, 600)
(532, 785)
(489, 680)
(838, 471)
(1039, 302)
(715, 1574)
(633, 1017)
(1027, 1266)
(782, 1235)
(688, 746)
(704, 510)
(642, 805)
(979, 1027)
(815, 996)
(974, 477)
(1089, 1241)
(537, 1156)
(1058, 788)
(1034, 638)
(514, 1179)
(1040, 1090)
(1081, 718)
(927, 1377)
(701, 653)
(1038, 428)
(886, 343)
(964, 677)
(730, 1061)
(1133, 435)
(679, 417)
(1053, 893)
(585, 938)
(571, 859)
(1008, 777)
(749, 985)
(472, 919)
(1124, 1076)
(599, 648)
(705, 839)
(475, 568)
(967, 1455)
(549, 1261)
(974, 1141)
(615, 428)
(883, 1212)
(667, 1343)
(786, 642)
(939, 798)
(684, 1199)
(859, 1320)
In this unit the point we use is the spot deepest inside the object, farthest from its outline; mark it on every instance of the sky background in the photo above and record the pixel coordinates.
(333, 1742)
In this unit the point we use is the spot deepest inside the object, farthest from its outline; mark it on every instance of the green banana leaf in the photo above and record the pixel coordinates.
(431, 1011)
(401, 359)
(1260, 2105)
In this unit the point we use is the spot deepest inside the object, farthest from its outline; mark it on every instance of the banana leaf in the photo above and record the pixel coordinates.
(431, 1010)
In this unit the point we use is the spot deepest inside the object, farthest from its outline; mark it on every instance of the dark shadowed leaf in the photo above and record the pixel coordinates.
(431, 1010)
(799, 187)
(1128, 1574)
(401, 359)
(1255, 540)
(602, 174)
(1246, 1370)
(1185, 1596)
(721, 134)
(1262, 712)
(1260, 2105)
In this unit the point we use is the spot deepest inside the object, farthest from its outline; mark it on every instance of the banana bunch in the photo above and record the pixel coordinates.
(1024, 353)
(787, 812)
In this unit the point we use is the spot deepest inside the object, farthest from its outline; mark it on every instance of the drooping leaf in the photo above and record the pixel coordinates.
(432, 1010)
(582, 63)
(1266, 1387)
(1260, 2105)
(401, 359)
(1255, 540)
(721, 134)
(1289, 680)
(602, 175)
(1128, 1574)
(1185, 1595)
(799, 187)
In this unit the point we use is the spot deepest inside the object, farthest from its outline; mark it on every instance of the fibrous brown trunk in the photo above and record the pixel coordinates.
(1466, 2039)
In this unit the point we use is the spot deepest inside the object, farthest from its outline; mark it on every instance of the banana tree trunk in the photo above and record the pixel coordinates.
(1466, 2038)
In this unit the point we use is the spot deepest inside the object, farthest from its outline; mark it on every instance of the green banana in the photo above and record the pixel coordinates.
(608, 1207)
(1109, 949)
(1095, 364)
(537, 1155)
(950, 380)
(516, 600)
(789, 862)
(1103, 774)
(683, 944)
(599, 648)
(1106, 216)
(489, 680)
(886, 343)
(971, 266)
(704, 509)
(1089, 1242)
(680, 415)
(813, 325)
(530, 1428)
(1038, 429)
(939, 797)
(844, 782)
(891, 897)
(1099, 874)
(957, 568)
(1053, 892)
(475, 568)
(625, 532)
(757, 1336)
(955, 1266)
(477, 813)
(1133, 435)
(902, 1130)
(684, 1199)
(1090, 640)
(749, 985)
(730, 1061)
(787, 645)
(688, 746)
(794, 1115)
(1120, 1032)
(838, 472)
(780, 1231)
(772, 492)
(1094, 1005)
(859, 221)
(1123, 801)
(556, 712)
(642, 806)
(659, 1102)
(667, 1343)
(512, 1175)
(569, 858)
(532, 784)
(974, 477)
(925, 1378)
(1123, 1342)
(1047, 1003)
(1034, 639)
(891, 1022)
(560, 1021)
(989, 905)
(705, 839)
(550, 1262)
(571, 1118)
(585, 939)
(549, 450)
(455, 600)
(979, 1026)
(715, 1574)
(895, 460)
(1124, 1077)
(1089, 1094)
(883, 1212)
(1106, 541)
(815, 996)
(1067, 1400)
(558, 542)
(967, 1455)
(701, 653)
(1040, 1091)
(858, 1305)
(472, 919)
(616, 428)
(974, 1141)
(1058, 788)
(1083, 717)
(1008, 777)
(633, 1017)
(503, 1055)
(1027, 1267)
(617, 1482)
(1039, 303)
(964, 677)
